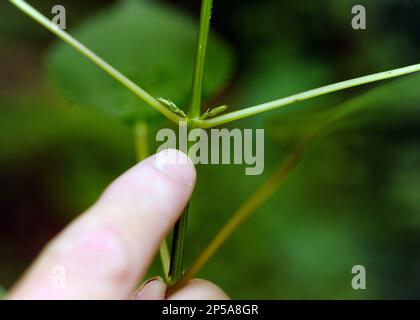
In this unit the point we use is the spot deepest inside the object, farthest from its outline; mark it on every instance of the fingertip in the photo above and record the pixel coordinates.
(167, 173)
(152, 289)
(199, 289)
(176, 165)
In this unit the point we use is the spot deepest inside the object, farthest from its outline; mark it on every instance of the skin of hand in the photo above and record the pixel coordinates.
(108, 249)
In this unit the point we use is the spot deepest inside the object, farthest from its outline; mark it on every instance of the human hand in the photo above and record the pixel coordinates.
(106, 251)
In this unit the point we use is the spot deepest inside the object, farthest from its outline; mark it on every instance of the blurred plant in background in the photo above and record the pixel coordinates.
(354, 200)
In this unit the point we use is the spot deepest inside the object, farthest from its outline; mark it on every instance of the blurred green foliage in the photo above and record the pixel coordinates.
(354, 200)
(151, 44)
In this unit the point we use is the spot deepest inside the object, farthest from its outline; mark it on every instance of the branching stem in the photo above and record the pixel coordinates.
(180, 230)
(173, 266)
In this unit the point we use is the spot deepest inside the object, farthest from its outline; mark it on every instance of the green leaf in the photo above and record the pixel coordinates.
(172, 106)
(150, 43)
(212, 112)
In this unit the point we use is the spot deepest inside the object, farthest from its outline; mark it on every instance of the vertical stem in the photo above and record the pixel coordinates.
(165, 259)
(180, 229)
(200, 59)
(178, 246)
(141, 144)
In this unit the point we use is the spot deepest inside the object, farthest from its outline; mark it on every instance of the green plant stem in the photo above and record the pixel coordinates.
(179, 238)
(244, 113)
(117, 75)
(200, 59)
(180, 229)
(178, 246)
(141, 144)
(165, 259)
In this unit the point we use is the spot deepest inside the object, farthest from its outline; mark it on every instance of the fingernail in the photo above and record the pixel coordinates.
(152, 289)
(177, 165)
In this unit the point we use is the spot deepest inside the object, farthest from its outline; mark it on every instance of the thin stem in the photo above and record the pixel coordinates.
(165, 259)
(178, 246)
(200, 59)
(141, 144)
(179, 239)
(244, 113)
(180, 229)
(117, 75)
